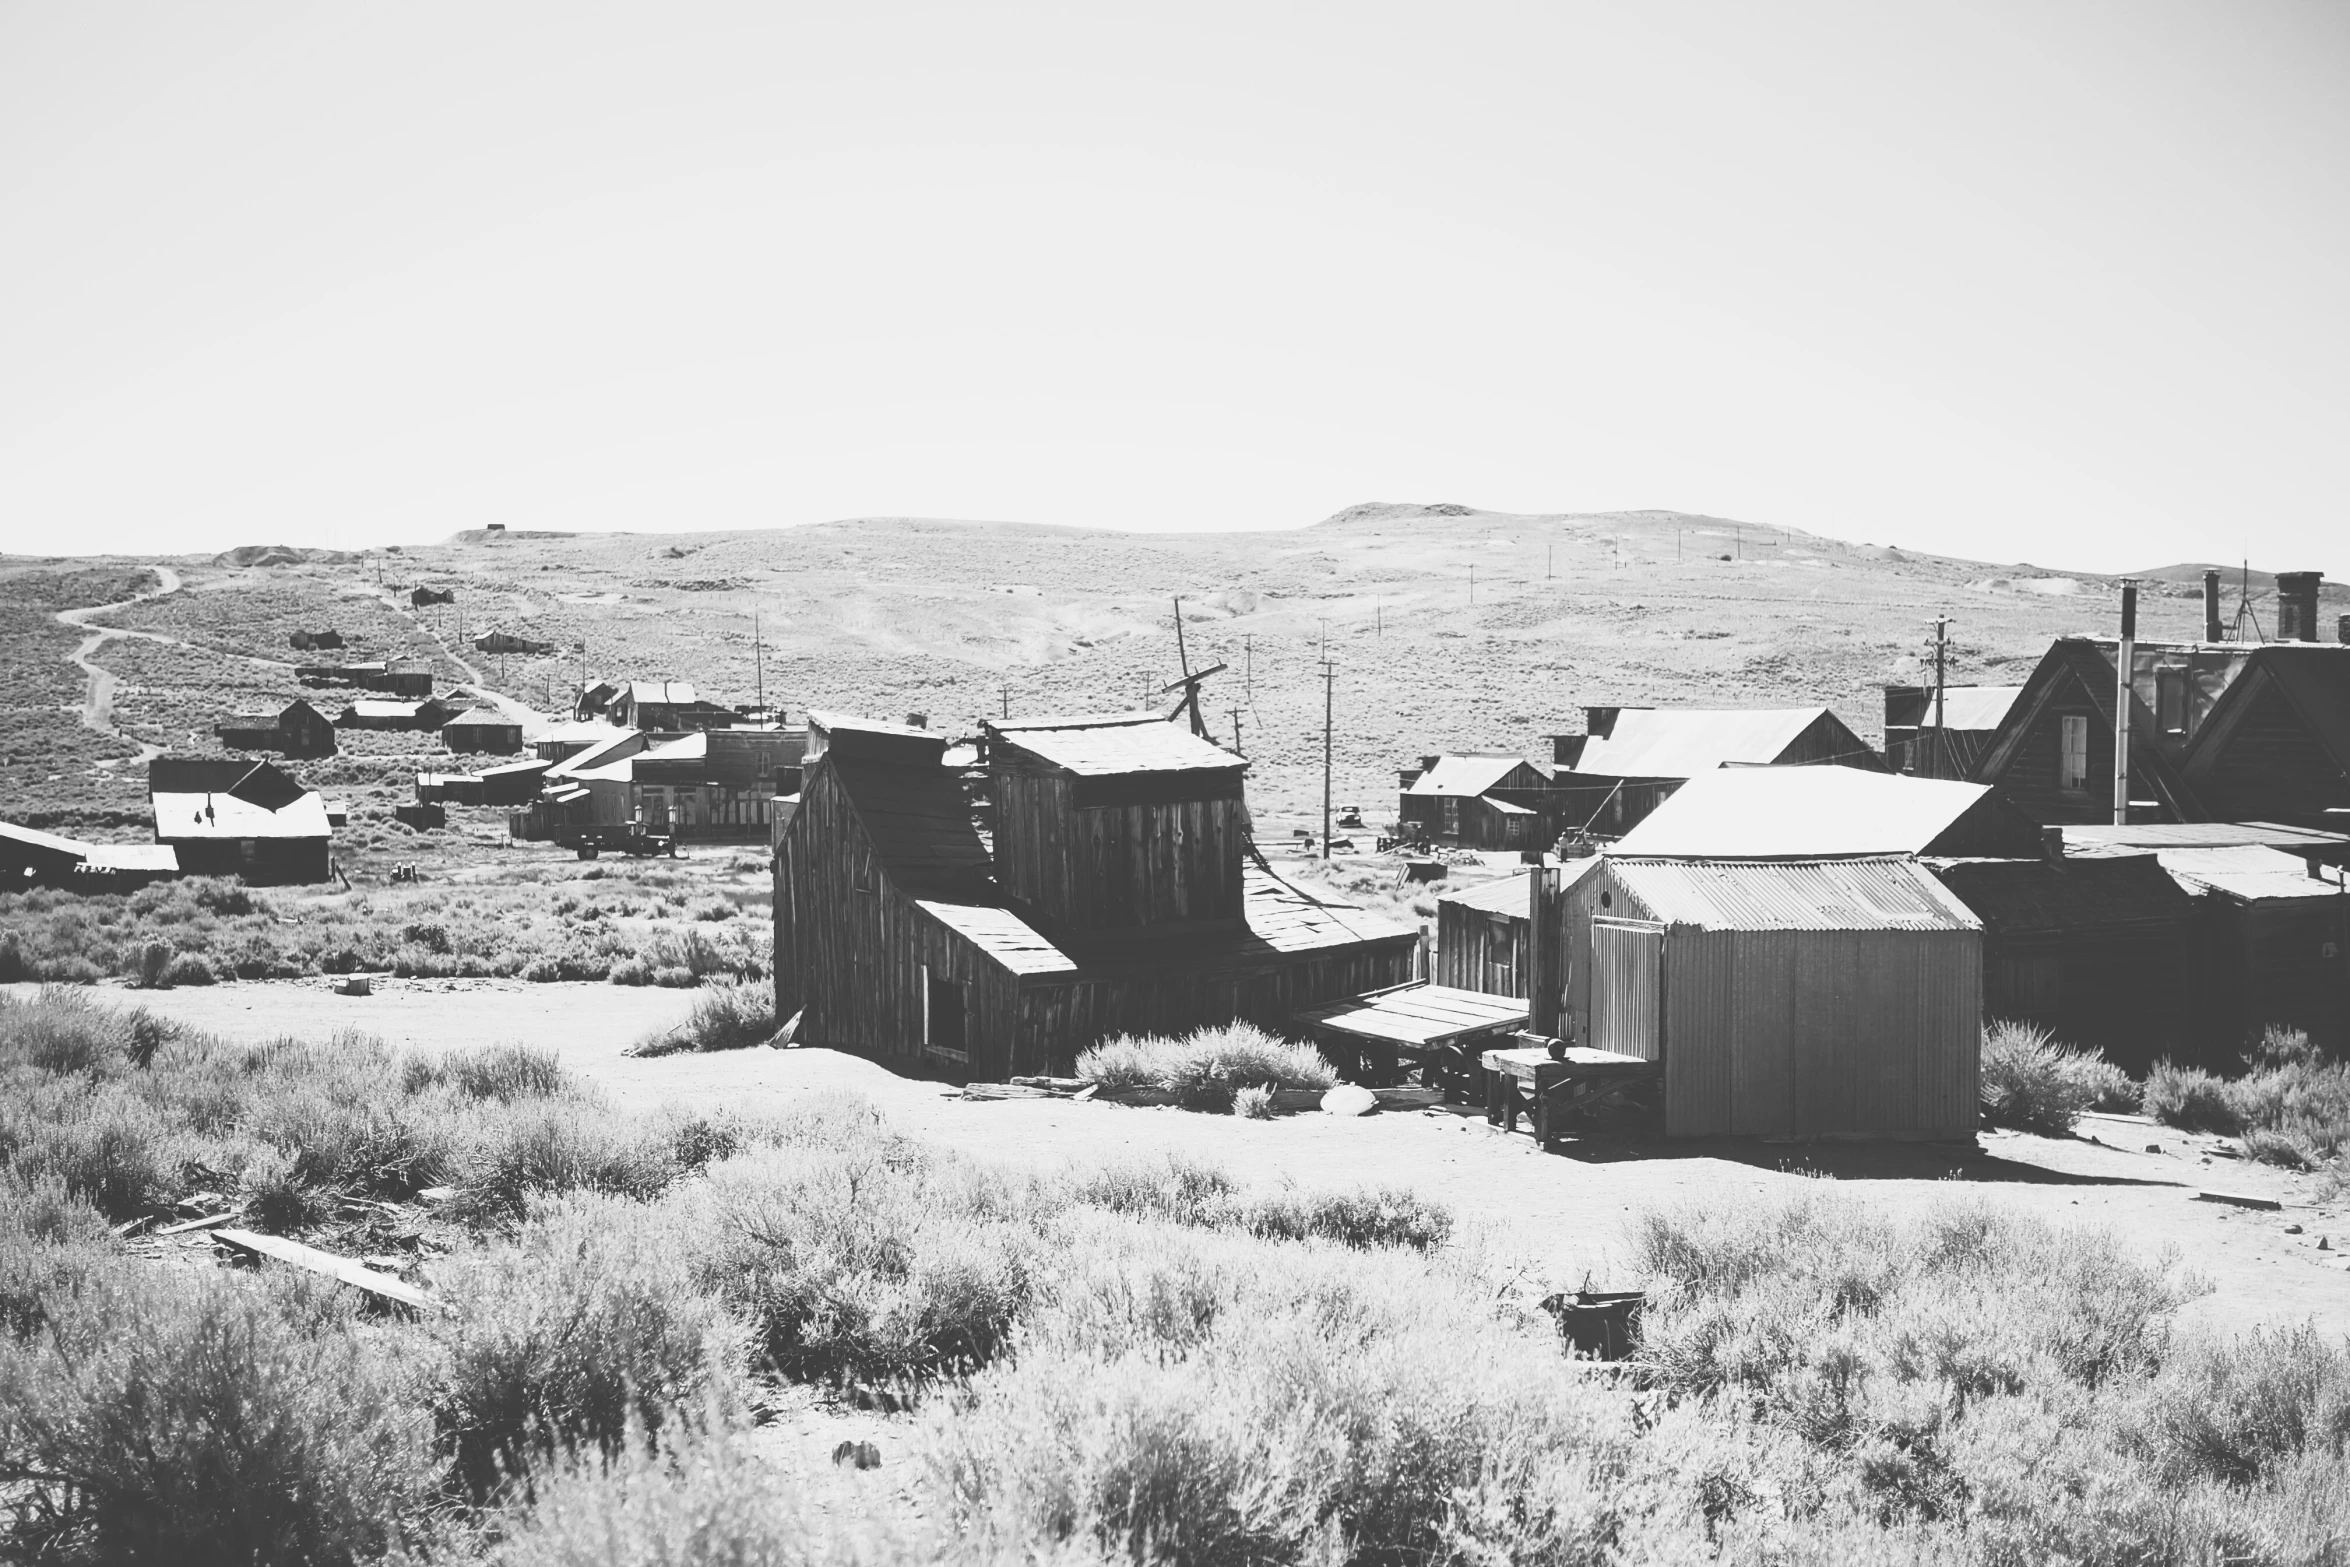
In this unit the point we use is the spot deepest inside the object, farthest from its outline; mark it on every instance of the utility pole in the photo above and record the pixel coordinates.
(758, 667)
(1546, 553)
(1941, 651)
(1248, 666)
(2127, 654)
(1329, 680)
(1738, 539)
(1007, 691)
(1378, 617)
(1235, 712)
(1472, 584)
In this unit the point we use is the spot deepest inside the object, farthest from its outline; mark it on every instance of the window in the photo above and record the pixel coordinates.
(2170, 700)
(2072, 756)
(1452, 816)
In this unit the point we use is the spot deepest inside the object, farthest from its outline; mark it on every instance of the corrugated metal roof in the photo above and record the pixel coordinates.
(1870, 894)
(1103, 748)
(1683, 742)
(1791, 812)
(1468, 773)
(2103, 839)
(1972, 707)
(2246, 871)
(1505, 896)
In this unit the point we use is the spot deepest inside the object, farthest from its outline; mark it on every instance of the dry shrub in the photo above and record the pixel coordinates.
(1206, 1068)
(727, 1015)
(204, 1419)
(2032, 1083)
(2189, 1098)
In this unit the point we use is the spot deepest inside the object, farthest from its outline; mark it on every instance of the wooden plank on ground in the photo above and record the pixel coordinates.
(209, 1221)
(2240, 1200)
(356, 1274)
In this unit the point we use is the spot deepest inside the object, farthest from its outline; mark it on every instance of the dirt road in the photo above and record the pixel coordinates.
(98, 699)
(1564, 1215)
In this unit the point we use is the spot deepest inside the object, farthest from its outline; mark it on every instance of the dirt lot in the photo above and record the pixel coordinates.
(1560, 1215)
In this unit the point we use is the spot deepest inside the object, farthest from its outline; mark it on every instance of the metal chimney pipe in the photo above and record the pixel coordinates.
(2211, 625)
(2126, 656)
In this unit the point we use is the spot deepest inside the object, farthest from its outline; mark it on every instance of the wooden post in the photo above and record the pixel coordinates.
(1544, 950)
(1329, 676)
(2125, 654)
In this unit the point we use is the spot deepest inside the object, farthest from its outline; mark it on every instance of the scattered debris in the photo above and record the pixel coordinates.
(1598, 1324)
(356, 985)
(2154, 1147)
(2292, 1229)
(437, 1195)
(865, 1455)
(2240, 1200)
(356, 1274)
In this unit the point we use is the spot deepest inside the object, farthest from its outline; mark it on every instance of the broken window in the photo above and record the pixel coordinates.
(2072, 762)
(2170, 700)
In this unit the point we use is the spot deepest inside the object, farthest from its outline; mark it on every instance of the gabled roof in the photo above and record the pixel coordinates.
(2084, 666)
(1768, 895)
(222, 815)
(1113, 746)
(1971, 707)
(1469, 773)
(483, 718)
(616, 745)
(257, 783)
(667, 692)
(1788, 812)
(919, 825)
(1650, 742)
(376, 708)
(2016, 896)
(2315, 679)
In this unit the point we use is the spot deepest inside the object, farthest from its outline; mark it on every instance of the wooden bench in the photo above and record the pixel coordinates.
(1528, 1080)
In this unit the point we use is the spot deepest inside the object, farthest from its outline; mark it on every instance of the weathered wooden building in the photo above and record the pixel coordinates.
(670, 705)
(1827, 998)
(1120, 896)
(483, 729)
(32, 858)
(2270, 943)
(1947, 744)
(1480, 800)
(296, 730)
(404, 679)
(239, 818)
(2100, 952)
(2218, 732)
(709, 786)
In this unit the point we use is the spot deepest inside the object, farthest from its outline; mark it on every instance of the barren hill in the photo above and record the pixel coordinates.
(1447, 626)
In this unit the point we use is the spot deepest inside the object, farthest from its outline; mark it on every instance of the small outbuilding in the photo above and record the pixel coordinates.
(1805, 998)
(482, 729)
(297, 730)
(32, 858)
(421, 717)
(1477, 800)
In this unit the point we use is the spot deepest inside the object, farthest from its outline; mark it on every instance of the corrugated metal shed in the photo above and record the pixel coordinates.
(1098, 748)
(1469, 775)
(1683, 742)
(1776, 895)
(1787, 812)
(1505, 896)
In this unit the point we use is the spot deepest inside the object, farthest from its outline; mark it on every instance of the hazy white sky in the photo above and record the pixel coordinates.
(2049, 281)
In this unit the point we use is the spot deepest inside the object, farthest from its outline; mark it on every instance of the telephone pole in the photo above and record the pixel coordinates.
(1941, 651)
(1248, 666)
(1235, 712)
(1329, 679)
(758, 667)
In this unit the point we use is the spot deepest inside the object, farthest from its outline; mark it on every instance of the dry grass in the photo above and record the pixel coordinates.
(2291, 1107)
(1206, 1068)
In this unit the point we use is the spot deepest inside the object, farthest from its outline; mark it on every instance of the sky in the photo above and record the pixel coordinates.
(2057, 281)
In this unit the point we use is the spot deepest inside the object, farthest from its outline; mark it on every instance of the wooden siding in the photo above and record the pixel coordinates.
(1059, 1019)
(2266, 962)
(2268, 766)
(1117, 866)
(1480, 950)
(1826, 739)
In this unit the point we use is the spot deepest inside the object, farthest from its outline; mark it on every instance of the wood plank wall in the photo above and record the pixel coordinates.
(1119, 866)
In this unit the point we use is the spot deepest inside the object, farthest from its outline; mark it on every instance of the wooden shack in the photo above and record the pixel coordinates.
(716, 785)
(1945, 738)
(1478, 800)
(483, 729)
(1810, 998)
(2099, 952)
(296, 730)
(1632, 759)
(1120, 896)
(239, 818)
(416, 717)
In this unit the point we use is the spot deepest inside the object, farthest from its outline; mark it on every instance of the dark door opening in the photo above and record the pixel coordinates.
(945, 1014)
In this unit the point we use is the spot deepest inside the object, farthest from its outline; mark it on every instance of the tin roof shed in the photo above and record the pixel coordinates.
(1785, 812)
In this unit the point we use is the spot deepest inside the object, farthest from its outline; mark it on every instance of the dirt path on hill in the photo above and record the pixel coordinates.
(1562, 1216)
(98, 698)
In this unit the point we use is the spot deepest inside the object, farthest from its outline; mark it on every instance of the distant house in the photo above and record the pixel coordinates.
(1631, 759)
(407, 679)
(297, 730)
(32, 858)
(1119, 896)
(1478, 800)
(715, 786)
(568, 740)
(423, 717)
(666, 704)
(239, 818)
(482, 729)
(507, 642)
(2218, 732)
(1829, 998)
(1970, 715)
(1798, 812)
